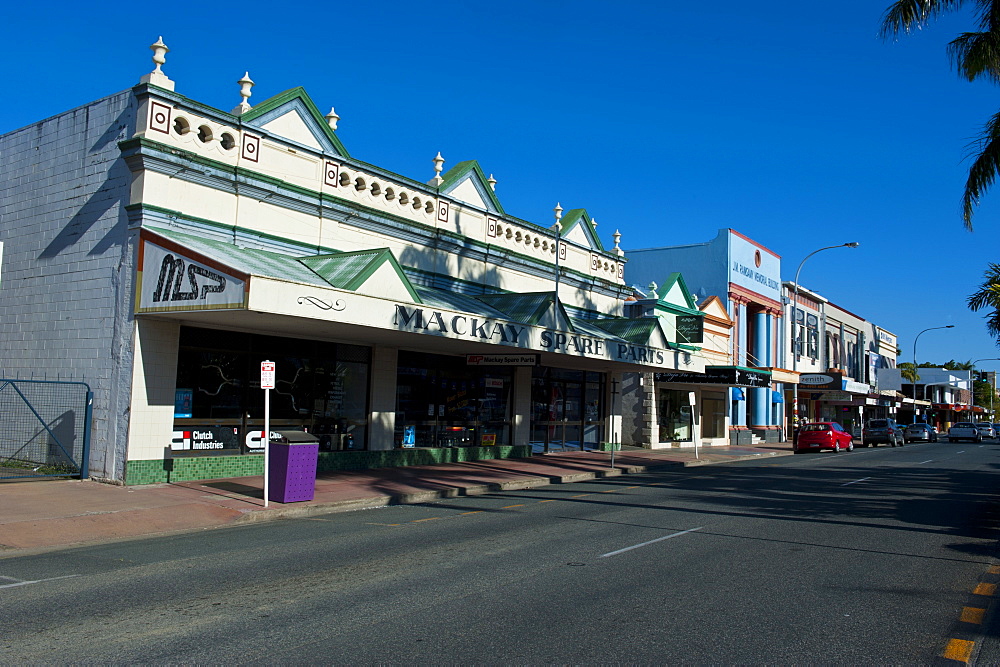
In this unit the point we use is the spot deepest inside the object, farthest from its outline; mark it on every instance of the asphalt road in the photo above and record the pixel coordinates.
(866, 557)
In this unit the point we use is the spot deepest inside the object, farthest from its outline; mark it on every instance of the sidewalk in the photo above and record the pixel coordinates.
(38, 515)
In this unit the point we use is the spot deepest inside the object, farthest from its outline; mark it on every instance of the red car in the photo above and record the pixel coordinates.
(818, 436)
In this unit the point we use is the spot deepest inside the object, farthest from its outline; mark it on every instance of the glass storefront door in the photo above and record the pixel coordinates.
(567, 410)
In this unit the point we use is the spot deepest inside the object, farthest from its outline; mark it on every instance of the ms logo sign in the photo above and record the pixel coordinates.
(168, 280)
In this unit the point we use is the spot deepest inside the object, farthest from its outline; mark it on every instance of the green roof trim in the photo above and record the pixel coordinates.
(743, 368)
(638, 330)
(460, 171)
(676, 279)
(579, 217)
(350, 270)
(527, 308)
(299, 93)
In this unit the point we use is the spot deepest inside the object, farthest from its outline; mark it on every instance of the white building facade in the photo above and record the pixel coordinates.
(160, 250)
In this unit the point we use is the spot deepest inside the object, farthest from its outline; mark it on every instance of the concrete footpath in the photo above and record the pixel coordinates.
(38, 515)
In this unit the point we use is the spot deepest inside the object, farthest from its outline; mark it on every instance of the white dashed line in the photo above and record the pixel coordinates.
(659, 539)
(856, 481)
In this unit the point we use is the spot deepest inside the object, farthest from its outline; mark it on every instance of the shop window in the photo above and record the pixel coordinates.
(675, 415)
(442, 402)
(320, 387)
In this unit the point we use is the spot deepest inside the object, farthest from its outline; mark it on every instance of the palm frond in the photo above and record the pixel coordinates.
(985, 151)
(903, 16)
(975, 54)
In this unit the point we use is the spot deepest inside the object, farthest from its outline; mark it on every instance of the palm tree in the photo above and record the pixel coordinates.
(908, 372)
(975, 55)
(988, 296)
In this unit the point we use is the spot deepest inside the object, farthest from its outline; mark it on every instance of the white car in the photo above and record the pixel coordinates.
(986, 430)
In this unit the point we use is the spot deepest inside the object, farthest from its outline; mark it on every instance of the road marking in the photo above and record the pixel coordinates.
(972, 615)
(433, 518)
(856, 481)
(20, 582)
(511, 506)
(475, 512)
(994, 569)
(547, 501)
(644, 544)
(923, 462)
(985, 589)
(580, 495)
(958, 649)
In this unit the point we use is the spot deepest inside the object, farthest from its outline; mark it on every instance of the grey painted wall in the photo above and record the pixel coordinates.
(67, 268)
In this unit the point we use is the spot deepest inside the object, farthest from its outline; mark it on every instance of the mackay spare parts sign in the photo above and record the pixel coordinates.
(502, 359)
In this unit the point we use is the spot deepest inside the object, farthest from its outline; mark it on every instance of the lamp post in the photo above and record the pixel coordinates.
(947, 326)
(795, 324)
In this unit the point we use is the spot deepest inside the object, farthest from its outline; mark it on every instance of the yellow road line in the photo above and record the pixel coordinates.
(580, 495)
(958, 649)
(510, 506)
(994, 569)
(547, 501)
(985, 589)
(433, 518)
(972, 615)
(476, 512)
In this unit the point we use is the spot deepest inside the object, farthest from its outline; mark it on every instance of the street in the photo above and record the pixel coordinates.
(864, 557)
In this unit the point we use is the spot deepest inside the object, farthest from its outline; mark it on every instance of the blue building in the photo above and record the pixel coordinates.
(746, 276)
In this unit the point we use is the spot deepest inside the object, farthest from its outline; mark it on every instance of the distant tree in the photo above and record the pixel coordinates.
(908, 373)
(988, 297)
(958, 365)
(975, 55)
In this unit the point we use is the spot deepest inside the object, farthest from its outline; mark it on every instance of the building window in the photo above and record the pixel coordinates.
(675, 416)
(320, 387)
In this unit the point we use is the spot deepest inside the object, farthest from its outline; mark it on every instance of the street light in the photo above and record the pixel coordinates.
(947, 326)
(795, 308)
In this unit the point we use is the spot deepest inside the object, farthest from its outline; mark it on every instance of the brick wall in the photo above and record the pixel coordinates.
(67, 268)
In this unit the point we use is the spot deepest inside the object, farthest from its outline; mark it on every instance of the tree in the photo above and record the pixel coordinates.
(908, 373)
(988, 296)
(975, 55)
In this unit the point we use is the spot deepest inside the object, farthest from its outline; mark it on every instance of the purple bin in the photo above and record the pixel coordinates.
(293, 467)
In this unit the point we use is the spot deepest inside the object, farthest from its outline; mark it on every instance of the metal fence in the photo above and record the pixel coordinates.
(44, 428)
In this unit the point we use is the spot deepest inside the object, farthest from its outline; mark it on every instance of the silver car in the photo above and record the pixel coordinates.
(986, 430)
(920, 433)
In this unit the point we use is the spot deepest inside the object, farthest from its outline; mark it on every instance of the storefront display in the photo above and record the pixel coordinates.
(320, 387)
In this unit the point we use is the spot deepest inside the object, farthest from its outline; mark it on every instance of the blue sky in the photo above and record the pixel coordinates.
(790, 122)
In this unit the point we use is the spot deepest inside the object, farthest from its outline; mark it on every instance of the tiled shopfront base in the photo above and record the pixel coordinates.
(158, 471)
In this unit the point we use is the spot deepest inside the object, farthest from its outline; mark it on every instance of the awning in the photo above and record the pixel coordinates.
(776, 397)
(734, 376)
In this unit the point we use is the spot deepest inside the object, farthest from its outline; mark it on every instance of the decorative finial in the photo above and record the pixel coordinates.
(652, 288)
(617, 236)
(157, 77)
(438, 168)
(332, 118)
(493, 183)
(246, 83)
(593, 222)
(558, 212)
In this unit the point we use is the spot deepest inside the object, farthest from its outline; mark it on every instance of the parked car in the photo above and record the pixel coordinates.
(886, 431)
(964, 431)
(987, 430)
(817, 436)
(920, 432)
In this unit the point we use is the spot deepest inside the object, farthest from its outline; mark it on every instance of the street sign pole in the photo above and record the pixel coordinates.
(267, 384)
